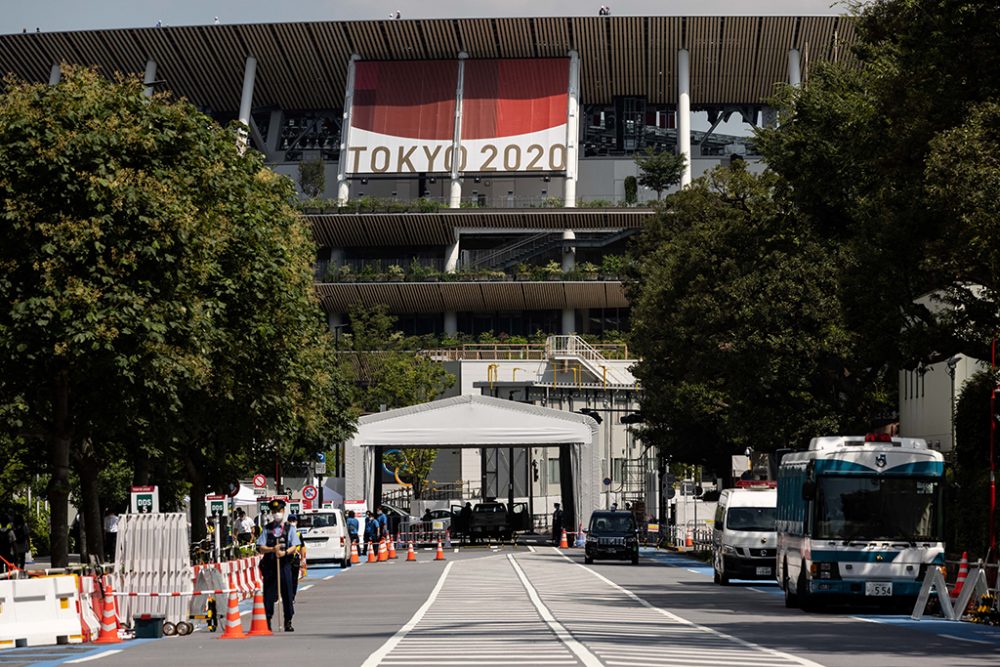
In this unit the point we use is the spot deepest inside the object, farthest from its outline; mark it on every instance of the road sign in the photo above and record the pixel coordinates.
(259, 492)
(321, 468)
(307, 504)
(310, 492)
(145, 500)
(607, 481)
(320, 457)
(294, 507)
(259, 481)
(215, 503)
(262, 507)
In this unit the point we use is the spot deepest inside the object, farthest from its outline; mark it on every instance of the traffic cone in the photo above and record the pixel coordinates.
(563, 542)
(233, 625)
(392, 549)
(383, 554)
(109, 619)
(440, 552)
(354, 554)
(258, 618)
(689, 540)
(372, 558)
(963, 574)
(411, 555)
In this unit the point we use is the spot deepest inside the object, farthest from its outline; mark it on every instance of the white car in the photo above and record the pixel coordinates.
(324, 534)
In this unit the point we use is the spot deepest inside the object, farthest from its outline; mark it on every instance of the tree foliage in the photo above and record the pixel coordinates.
(738, 324)
(312, 177)
(967, 515)
(157, 290)
(659, 171)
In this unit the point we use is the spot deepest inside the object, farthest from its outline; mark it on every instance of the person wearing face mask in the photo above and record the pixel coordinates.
(277, 543)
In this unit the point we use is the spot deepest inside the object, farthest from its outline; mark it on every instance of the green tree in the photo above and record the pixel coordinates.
(967, 514)
(659, 170)
(155, 281)
(631, 190)
(312, 177)
(737, 324)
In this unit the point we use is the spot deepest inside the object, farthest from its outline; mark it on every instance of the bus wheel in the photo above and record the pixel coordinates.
(806, 600)
(791, 600)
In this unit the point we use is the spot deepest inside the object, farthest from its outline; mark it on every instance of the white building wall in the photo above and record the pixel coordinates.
(925, 400)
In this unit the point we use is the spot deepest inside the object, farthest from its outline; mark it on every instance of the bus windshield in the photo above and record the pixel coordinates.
(857, 508)
(751, 518)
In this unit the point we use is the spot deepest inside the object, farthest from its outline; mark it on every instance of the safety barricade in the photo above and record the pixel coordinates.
(40, 611)
(152, 555)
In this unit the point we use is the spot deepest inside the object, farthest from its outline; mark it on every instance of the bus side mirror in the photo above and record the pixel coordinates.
(809, 490)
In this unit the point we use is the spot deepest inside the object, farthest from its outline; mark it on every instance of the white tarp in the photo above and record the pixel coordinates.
(475, 421)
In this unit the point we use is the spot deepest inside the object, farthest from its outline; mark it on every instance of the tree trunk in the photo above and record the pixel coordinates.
(197, 503)
(59, 445)
(140, 475)
(90, 502)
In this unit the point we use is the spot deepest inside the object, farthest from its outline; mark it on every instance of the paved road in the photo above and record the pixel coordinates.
(540, 607)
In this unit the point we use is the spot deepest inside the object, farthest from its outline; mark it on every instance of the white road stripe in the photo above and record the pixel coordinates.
(966, 639)
(328, 578)
(578, 649)
(678, 619)
(305, 588)
(93, 657)
(377, 657)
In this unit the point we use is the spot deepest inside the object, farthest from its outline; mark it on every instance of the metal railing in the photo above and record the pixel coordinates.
(516, 352)
(514, 249)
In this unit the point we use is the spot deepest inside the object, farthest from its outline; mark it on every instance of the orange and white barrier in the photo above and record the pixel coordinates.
(40, 612)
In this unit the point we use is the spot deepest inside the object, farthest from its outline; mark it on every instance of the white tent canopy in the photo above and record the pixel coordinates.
(474, 422)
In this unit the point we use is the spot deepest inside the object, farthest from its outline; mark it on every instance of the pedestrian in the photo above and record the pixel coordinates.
(465, 522)
(276, 543)
(244, 528)
(22, 541)
(110, 534)
(383, 522)
(371, 530)
(614, 507)
(6, 543)
(298, 556)
(352, 531)
(557, 524)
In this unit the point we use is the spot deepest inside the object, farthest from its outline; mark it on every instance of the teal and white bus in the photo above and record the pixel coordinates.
(859, 518)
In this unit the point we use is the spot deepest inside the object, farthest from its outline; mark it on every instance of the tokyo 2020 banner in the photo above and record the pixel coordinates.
(514, 115)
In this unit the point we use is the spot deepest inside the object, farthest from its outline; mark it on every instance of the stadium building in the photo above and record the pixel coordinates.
(477, 173)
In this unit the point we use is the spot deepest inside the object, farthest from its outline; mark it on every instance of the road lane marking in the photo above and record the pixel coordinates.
(93, 657)
(328, 578)
(531, 548)
(380, 653)
(966, 639)
(305, 588)
(578, 649)
(683, 621)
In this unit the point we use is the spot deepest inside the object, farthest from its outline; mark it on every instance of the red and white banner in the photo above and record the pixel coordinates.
(514, 116)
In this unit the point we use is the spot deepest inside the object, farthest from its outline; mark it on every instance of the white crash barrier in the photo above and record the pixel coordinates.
(152, 556)
(934, 584)
(40, 612)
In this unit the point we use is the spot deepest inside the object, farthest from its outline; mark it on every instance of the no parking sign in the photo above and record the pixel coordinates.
(310, 492)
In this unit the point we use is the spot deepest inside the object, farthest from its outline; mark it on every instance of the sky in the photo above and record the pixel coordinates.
(59, 15)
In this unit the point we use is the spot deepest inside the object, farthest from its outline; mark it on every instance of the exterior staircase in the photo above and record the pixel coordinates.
(576, 349)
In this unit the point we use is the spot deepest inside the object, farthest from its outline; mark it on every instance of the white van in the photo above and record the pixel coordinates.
(744, 540)
(324, 534)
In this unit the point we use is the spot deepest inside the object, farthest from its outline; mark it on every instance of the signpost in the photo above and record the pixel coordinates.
(145, 500)
(215, 504)
(259, 481)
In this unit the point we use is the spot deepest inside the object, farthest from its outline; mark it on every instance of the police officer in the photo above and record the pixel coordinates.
(277, 543)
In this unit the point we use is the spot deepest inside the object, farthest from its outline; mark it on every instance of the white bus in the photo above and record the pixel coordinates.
(859, 518)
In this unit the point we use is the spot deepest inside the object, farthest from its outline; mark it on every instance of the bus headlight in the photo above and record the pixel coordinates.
(730, 550)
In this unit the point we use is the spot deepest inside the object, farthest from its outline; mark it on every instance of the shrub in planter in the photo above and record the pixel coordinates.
(396, 273)
(588, 270)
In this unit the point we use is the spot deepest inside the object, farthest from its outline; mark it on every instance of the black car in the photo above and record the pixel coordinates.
(612, 535)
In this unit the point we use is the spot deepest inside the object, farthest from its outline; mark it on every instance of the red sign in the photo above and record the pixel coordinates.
(259, 481)
(307, 504)
(216, 496)
(143, 489)
(514, 116)
(310, 492)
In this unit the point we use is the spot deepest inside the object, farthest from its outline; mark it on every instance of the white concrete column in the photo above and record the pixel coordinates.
(451, 255)
(450, 322)
(568, 321)
(344, 185)
(569, 252)
(149, 77)
(246, 100)
(455, 192)
(684, 113)
(572, 131)
(794, 68)
(274, 134)
(55, 74)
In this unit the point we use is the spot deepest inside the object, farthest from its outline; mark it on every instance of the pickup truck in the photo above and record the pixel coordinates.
(491, 520)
